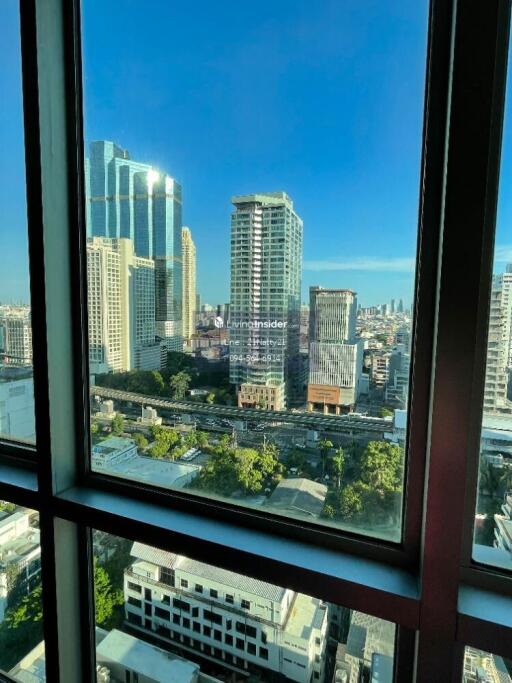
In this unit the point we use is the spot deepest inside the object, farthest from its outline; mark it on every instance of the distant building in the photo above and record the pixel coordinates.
(499, 345)
(335, 355)
(300, 496)
(266, 268)
(356, 660)
(118, 456)
(20, 554)
(17, 417)
(132, 200)
(121, 305)
(16, 327)
(483, 667)
(242, 624)
(189, 283)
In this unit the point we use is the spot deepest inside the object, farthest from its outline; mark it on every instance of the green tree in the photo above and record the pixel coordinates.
(210, 398)
(105, 597)
(94, 427)
(159, 449)
(338, 466)
(7, 507)
(22, 629)
(202, 439)
(140, 440)
(490, 479)
(381, 477)
(385, 412)
(325, 446)
(117, 425)
(179, 384)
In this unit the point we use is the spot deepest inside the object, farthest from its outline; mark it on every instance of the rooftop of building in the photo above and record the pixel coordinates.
(279, 198)
(223, 577)
(502, 423)
(152, 470)
(147, 660)
(328, 290)
(299, 494)
(305, 614)
(114, 444)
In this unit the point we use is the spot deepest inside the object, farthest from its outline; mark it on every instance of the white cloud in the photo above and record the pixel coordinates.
(503, 253)
(396, 265)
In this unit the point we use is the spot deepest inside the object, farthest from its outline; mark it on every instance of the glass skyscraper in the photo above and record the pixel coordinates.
(130, 199)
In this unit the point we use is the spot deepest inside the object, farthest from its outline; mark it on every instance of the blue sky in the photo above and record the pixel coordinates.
(323, 100)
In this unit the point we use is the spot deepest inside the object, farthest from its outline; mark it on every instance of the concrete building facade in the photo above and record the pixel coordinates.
(264, 321)
(121, 304)
(241, 623)
(335, 355)
(189, 283)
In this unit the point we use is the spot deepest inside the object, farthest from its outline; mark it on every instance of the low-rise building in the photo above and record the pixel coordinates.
(20, 554)
(239, 623)
(300, 496)
(119, 457)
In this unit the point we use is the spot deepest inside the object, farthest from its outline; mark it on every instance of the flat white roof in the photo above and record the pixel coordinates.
(305, 614)
(155, 471)
(145, 659)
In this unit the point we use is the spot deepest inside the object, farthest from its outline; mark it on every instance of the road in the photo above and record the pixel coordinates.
(347, 424)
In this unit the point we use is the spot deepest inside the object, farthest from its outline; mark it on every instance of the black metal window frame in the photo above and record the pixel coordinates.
(440, 599)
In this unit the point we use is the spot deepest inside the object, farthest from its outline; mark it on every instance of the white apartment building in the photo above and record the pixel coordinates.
(264, 315)
(20, 554)
(239, 623)
(17, 419)
(499, 345)
(188, 249)
(16, 327)
(121, 304)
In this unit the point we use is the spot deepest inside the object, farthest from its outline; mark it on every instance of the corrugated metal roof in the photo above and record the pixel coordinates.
(223, 577)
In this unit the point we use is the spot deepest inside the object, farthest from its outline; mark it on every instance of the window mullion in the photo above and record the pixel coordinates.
(468, 219)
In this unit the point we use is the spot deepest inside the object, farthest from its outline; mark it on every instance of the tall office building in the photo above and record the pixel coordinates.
(400, 308)
(392, 307)
(499, 345)
(266, 269)
(335, 355)
(130, 199)
(189, 283)
(121, 305)
(17, 337)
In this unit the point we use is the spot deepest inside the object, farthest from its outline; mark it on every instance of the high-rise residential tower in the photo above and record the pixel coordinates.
(499, 345)
(266, 269)
(130, 199)
(17, 337)
(121, 305)
(335, 355)
(189, 283)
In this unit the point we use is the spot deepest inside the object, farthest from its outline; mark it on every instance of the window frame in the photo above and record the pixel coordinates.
(439, 597)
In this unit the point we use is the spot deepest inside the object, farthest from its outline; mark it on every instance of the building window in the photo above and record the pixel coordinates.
(229, 599)
(207, 631)
(196, 626)
(186, 622)
(134, 587)
(184, 583)
(176, 619)
(240, 644)
(251, 648)
(198, 588)
(246, 604)
(213, 593)
(228, 639)
(263, 653)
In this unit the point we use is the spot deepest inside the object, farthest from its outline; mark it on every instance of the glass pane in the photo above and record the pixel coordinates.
(482, 667)
(16, 379)
(235, 156)
(493, 518)
(21, 608)
(157, 611)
